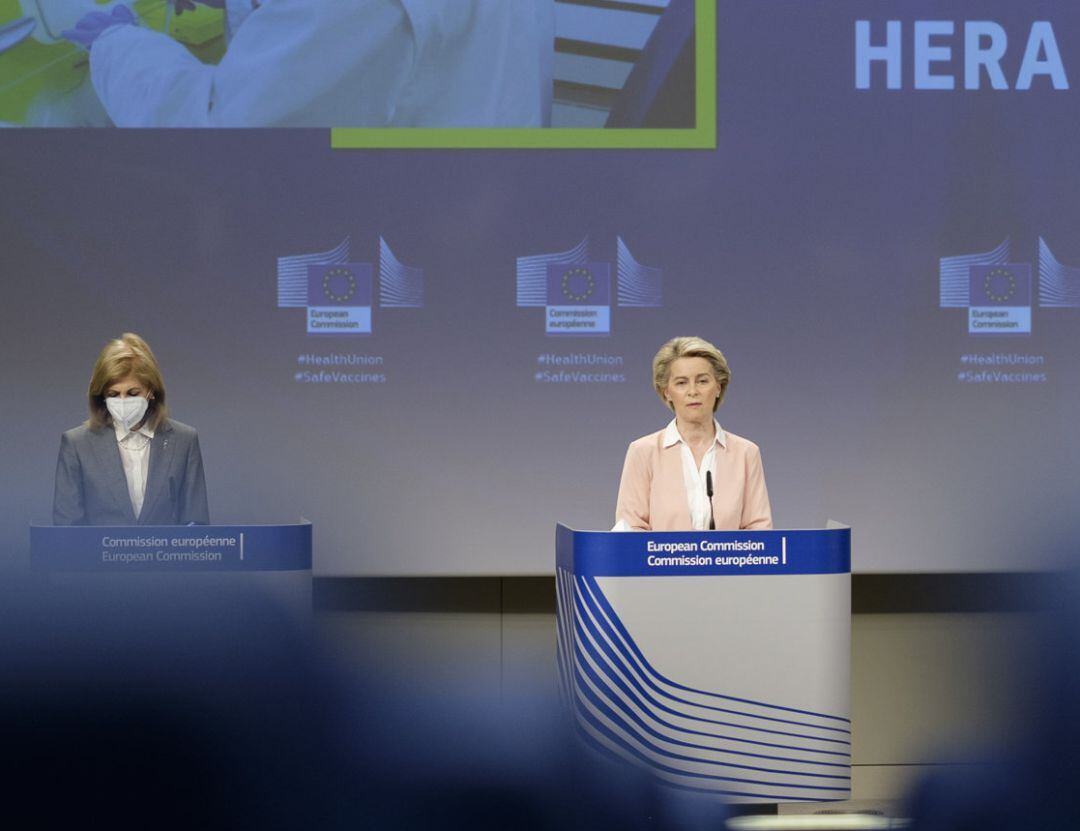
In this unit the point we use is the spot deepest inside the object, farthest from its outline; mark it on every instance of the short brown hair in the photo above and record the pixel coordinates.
(126, 355)
(689, 347)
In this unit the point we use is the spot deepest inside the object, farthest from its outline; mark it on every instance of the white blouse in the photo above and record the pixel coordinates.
(135, 457)
(693, 476)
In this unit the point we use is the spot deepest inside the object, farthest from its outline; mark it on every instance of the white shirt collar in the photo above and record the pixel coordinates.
(122, 434)
(672, 437)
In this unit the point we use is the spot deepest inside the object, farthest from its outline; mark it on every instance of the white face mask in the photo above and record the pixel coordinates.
(127, 412)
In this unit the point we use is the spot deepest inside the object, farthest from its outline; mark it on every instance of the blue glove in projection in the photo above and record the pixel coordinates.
(92, 24)
(182, 6)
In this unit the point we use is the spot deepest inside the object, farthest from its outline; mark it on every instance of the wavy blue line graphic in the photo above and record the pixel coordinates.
(628, 676)
(400, 286)
(639, 285)
(292, 273)
(1059, 285)
(642, 752)
(605, 678)
(604, 705)
(955, 274)
(616, 622)
(572, 665)
(623, 707)
(647, 674)
(564, 648)
(607, 743)
(532, 272)
(594, 688)
(700, 773)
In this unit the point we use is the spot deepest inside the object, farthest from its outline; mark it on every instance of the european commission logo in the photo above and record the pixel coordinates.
(339, 295)
(998, 292)
(575, 289)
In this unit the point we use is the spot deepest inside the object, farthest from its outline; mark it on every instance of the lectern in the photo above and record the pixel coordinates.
(719, 660)
(273, 558)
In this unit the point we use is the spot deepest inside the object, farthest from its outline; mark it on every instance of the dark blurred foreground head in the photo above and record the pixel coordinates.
(213, 710)
(204, 709)
(1033, 783)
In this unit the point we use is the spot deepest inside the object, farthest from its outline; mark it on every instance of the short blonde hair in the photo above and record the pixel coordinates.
(689, 347)
(126, 355)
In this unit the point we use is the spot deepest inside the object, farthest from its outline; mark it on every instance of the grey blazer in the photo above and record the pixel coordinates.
(91, 488)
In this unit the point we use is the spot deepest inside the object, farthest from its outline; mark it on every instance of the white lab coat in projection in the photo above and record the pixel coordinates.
(341, 63)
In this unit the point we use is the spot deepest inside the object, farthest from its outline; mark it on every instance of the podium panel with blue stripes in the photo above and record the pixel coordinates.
(718, 660)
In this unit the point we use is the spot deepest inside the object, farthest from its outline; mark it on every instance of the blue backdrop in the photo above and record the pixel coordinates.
(809, 246)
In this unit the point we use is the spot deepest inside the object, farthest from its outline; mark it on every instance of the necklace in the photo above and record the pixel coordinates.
(136, 442)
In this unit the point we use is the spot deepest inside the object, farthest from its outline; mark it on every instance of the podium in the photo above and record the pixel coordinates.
(718, 660)
(273, 558)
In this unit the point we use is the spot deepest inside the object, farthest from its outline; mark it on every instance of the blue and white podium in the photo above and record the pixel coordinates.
(273, 558)
(718, 660)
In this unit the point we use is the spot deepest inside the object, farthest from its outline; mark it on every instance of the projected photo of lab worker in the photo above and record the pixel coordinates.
(279, 63)
(363, 64)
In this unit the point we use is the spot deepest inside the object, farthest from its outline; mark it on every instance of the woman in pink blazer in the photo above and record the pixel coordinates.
(692, 475)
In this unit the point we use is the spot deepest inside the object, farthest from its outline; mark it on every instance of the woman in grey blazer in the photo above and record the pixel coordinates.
(129, 464)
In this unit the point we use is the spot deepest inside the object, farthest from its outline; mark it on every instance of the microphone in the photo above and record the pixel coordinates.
(708, 492)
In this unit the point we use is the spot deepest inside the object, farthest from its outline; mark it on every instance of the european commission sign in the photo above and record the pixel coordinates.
(950, 55)
(998, 289)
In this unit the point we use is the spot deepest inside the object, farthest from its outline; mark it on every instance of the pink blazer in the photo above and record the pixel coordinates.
(652, 496)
